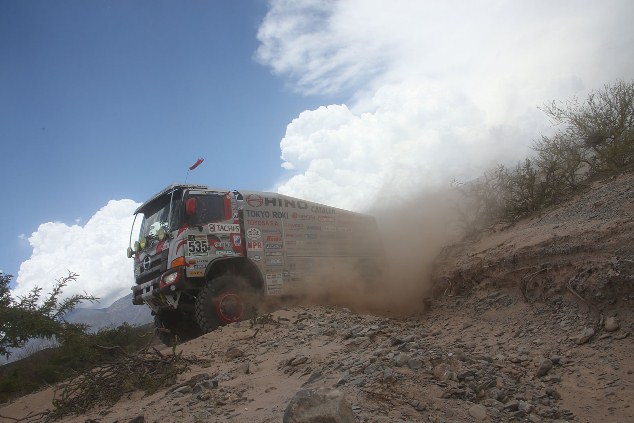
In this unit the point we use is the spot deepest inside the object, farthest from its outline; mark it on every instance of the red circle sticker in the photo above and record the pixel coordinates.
(254, 200)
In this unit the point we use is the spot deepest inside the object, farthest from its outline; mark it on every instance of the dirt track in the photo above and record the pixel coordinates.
(531, 322)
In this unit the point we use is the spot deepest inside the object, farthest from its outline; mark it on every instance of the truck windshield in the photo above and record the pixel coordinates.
(157, 217)
(153, 221)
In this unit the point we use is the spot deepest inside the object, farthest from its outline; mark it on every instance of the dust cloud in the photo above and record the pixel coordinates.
(413, 231)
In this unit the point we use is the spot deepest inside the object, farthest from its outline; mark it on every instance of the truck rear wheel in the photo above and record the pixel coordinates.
(223, 300)
(173, 326)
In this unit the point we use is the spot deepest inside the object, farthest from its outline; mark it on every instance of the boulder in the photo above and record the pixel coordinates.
(611, 324)
(544, 368)
(478, 412)
(321, 405)
(584, 336)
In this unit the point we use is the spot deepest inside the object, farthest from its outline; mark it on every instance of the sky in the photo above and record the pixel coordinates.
(350, 103)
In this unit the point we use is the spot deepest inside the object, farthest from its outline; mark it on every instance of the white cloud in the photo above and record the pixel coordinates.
(95, 251)
(436, 89)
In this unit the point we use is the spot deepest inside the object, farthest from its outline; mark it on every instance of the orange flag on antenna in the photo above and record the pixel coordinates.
(195, 165)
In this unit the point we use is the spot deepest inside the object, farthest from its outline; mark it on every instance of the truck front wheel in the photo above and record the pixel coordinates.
(223, 300)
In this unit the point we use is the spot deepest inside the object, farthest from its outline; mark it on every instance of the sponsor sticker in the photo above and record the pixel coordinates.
(273, 253)
(300, 242)
(237, 240)
(222, 244)
(324, 210)
(224, 228)
(301, 216)
(260, 214)
(256, 257)
(329, 219)
(253, 233)
(274, 246)
(254, 245)
(274, 283)
(280, 215)
(274, 262)
(274, 238)
(257, 222)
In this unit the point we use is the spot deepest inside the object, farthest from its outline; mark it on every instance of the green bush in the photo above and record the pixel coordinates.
(34, 317)
(76, 353)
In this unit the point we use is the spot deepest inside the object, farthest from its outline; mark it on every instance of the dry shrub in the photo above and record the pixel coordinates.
(148, 370)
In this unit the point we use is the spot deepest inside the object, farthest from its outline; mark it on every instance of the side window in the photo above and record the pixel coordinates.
(209, 208)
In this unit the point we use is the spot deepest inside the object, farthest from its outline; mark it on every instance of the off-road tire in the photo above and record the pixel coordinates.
(225, 299)
(173, 326)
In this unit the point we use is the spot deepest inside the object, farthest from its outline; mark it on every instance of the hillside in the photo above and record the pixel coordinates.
(120, 312)
(529, 322)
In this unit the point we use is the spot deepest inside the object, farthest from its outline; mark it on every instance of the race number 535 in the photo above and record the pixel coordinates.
(198, 246)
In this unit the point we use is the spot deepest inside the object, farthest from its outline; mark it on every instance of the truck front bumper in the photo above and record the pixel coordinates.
(153, 292)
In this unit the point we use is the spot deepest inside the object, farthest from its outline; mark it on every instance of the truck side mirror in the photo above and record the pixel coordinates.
(190, 207)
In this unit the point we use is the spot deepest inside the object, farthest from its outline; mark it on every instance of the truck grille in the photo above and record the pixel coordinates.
(151, 267)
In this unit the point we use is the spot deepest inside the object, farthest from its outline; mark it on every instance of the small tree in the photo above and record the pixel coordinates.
(561, 163)
(601, 128)
(28, 317)
(483, 203)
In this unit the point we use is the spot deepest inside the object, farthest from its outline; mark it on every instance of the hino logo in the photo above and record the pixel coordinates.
(146, 263)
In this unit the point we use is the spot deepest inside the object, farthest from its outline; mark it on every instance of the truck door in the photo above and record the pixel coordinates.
(213, 230)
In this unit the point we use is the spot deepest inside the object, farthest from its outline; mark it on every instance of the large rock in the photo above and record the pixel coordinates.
(544, 368)
(443, 372)
(234, 352)
(478, 412)
(584, 336)
(611, 324)
(320, 405)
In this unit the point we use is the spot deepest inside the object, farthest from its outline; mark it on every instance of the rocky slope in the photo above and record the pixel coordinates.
(531, 322)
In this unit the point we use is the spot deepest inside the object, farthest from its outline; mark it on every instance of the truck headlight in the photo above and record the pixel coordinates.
(169, 279)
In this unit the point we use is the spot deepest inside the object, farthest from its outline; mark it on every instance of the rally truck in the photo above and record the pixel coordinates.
(208, 257)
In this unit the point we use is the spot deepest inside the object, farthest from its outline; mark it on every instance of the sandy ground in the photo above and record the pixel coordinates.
(531, 322)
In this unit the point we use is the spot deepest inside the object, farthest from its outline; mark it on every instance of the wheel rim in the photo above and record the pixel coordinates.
(229, 307)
